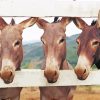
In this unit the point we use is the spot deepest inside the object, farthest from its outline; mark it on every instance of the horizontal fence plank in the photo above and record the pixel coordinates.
(30, 78)
(40, 8)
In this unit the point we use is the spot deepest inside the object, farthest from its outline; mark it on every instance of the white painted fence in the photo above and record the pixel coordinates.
(39, 8)
(32, 77)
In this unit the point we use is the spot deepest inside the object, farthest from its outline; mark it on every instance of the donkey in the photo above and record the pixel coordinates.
(54, 46)
(88, 47)
(11, 54)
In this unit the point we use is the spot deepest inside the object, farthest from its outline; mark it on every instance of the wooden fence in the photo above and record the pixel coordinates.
(32, 77)
(41, 8)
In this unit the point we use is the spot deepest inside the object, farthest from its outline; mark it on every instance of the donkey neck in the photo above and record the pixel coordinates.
(65, 65)
(97, 58)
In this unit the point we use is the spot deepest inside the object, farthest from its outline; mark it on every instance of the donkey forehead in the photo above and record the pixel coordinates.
(11, 32)
(51, 36)
(55, 28)
(89, 33)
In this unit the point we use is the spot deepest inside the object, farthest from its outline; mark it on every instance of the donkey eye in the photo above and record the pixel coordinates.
(77, 41)
(62, 40)
(17, 43)
(95, 43)
(43, 41)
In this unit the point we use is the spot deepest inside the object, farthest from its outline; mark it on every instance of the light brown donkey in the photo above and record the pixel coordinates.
(88, 47)
(54, 45)
(11, 54)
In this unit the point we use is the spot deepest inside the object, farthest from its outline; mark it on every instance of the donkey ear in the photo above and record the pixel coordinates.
(98, 21)
(41, 23)
(2, 23)
(79, 22)
(12, 22)
(28, 22)
(65, 21)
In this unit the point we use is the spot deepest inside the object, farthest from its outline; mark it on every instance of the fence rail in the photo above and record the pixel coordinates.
(32, 77)
(39, 8)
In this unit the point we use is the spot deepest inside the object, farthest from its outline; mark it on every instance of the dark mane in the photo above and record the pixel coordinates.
(93, 22)
(55, 19)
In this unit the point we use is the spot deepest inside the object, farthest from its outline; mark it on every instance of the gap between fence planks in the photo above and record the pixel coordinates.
(32, 77)
(41, 8)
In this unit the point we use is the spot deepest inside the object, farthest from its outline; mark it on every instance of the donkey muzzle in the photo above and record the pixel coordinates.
(7, 74)
(82, 73)
(51, 75)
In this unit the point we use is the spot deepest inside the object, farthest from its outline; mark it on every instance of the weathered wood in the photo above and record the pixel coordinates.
(30, 78)
(82, 8)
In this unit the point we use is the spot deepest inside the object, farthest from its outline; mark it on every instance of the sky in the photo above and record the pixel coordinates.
(33, 34)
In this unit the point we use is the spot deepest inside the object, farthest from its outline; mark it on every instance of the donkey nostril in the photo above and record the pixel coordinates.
(10, 74)
(84, 71)
(55, 73)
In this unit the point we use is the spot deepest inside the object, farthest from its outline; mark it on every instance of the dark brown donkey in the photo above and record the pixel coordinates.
(54, 45)
(88, 47)
(11, 54)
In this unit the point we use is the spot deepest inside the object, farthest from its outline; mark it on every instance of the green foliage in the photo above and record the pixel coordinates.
(72, 50)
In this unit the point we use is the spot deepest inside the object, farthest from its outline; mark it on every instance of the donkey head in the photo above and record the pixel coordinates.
(11, 52)
(54, 45)
(88, 47)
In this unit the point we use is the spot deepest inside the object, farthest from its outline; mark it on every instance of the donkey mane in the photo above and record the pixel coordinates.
(93, 22)
(55, 20)
(12, 22)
